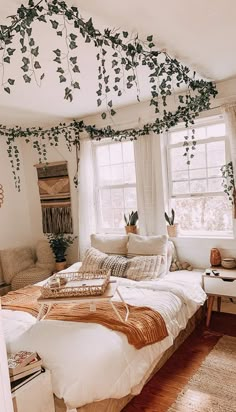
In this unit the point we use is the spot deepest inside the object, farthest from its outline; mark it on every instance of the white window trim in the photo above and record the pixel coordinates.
(198, 123)
(98, 216)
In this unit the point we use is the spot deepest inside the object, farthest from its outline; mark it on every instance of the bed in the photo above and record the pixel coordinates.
(95, 368)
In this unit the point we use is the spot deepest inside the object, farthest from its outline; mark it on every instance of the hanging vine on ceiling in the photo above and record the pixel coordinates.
(118, 55)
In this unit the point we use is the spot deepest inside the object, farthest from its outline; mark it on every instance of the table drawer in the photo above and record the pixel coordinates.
(220, 286)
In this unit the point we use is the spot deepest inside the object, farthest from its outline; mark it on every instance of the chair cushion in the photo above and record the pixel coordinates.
(29, 277)
(15, 260)
(110, 244)
(44, 256)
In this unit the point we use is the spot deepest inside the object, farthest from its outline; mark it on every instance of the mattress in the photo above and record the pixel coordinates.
(89, 362)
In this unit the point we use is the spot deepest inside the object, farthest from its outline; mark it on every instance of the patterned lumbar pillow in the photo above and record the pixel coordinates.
(137, 268)
(144, 268)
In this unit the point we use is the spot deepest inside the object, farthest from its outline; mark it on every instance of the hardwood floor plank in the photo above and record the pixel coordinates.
(162, 390)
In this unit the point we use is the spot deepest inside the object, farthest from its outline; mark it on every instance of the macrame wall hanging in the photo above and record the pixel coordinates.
(1, 195)
(54, 190)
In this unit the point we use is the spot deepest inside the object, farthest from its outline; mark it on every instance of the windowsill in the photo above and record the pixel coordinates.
(229, 236)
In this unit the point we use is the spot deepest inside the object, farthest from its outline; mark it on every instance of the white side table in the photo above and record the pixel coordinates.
(110, 291)
(35, 396)
(217, 286)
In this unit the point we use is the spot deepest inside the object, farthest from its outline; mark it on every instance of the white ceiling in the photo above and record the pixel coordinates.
(201, 34)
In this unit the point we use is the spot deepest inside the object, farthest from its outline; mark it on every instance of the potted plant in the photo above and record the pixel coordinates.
(172, 227)
(131, 221)
(59, 243)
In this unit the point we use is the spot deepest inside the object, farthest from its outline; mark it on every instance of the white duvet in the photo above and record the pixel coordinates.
(89, 362)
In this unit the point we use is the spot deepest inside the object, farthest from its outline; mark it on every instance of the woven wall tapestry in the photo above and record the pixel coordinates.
(54, 190)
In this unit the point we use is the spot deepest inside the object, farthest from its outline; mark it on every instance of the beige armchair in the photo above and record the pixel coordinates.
(24, 266)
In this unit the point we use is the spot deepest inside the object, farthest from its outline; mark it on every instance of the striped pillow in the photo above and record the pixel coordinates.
(138, 268)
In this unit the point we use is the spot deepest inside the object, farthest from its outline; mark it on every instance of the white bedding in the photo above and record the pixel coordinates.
(90, 362)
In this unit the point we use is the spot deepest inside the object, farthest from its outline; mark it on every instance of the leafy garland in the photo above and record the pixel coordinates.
(118, 58)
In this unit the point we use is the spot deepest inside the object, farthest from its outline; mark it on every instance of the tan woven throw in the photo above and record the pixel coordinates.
(144, 326)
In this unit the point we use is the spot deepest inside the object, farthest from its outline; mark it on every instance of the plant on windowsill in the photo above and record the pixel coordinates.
(59, 243)
(172, 227)
(228, 184)
(131, 221)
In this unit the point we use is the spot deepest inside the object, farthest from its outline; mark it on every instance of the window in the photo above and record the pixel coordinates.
(115, 184)
(195, 190)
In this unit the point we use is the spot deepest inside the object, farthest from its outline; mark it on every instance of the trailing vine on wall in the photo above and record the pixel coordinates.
(118, 56)
(228, 183)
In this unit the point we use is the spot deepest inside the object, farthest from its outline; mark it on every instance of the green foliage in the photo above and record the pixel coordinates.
(119, 55)
(228, 180)
(59, 243)
(132, 218)
(170, 219)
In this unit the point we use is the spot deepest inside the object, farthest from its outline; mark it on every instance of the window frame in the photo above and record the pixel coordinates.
(98, 187)
(203, 122)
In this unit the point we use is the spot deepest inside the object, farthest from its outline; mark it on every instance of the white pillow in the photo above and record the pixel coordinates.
(148, 246)
(110, 244)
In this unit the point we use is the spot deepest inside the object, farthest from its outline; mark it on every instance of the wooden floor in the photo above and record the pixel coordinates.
(164, 387)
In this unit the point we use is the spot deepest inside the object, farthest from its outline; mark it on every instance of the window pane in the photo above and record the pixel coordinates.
(200, 133)
(198, 186)
(102, 153)
(197, 173)
(210, 213)
(118, 218)
(216, 130)
(130, 198)
(183, 175)
(105, 175)
(180, 188)
(178, 161)
(215, 185)
(199, 159)
(129, 173)
(105, 198)
(128, 151)
(117, 198)
(178, 137)
(117, 174)
(214, 172)
(115, 153)
(216, 154)
(107, 217)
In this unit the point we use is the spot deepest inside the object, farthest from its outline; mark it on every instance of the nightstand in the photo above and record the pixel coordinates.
(217, 286)
(35, 396)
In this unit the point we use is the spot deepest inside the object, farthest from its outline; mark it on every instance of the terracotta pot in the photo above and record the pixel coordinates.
(172, 230)
(60, 266)
(131, 229)
(215, 257)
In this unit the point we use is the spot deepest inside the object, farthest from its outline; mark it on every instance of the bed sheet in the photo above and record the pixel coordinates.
(90, 362)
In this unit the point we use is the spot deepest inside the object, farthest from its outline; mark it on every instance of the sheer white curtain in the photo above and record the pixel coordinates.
(230, 120)
(150, 197)
(86, 196)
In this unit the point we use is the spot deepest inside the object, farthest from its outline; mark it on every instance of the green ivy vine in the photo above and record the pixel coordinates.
(118, 57)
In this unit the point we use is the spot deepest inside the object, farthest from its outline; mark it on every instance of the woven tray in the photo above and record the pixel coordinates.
(75, 284)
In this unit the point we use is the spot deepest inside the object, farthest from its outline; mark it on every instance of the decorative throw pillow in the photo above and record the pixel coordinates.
(176, 265)
(148, 246)
(144, 268)
(137, 268)
(110, 244)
